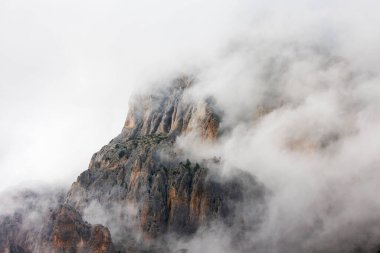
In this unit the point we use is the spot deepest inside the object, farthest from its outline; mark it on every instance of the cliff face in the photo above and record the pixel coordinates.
(63, 231)
(167, 111)
(142, 170)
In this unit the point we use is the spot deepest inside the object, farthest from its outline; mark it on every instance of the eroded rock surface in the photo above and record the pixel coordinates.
(142, 168)
(167, 111)
(142, 188)
(68, 232)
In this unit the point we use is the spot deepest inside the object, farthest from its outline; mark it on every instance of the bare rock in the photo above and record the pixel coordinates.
(68, 232)
(142, 168)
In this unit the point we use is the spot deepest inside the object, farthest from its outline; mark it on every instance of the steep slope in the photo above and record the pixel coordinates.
(41, 223)
(141, 187)
(141, 169)
(141, 193)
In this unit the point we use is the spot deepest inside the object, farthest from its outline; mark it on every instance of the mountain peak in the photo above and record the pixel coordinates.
(141, 188)
(169, 110)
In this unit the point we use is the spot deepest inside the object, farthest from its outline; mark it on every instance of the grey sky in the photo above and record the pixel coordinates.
(67, 69)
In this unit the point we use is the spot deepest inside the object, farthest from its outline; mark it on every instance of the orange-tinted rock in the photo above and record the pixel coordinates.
(71, 234)
(166, 111)
(142, 167)
(171, 195)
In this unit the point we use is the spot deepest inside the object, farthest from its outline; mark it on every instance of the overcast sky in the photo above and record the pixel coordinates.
(67, 69)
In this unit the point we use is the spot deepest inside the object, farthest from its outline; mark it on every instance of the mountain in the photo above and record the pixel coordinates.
(142, 188)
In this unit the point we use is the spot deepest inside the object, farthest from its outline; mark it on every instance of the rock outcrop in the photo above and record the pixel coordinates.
(143, 168)
(167, 111)
(67, 232)
(143, 188)
(43, 225)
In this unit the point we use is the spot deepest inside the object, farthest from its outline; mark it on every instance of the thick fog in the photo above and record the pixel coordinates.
(67, 69)
(299, 94)
(296, 83)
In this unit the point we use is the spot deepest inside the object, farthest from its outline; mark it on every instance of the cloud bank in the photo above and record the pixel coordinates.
(299, 95)
(296, 82)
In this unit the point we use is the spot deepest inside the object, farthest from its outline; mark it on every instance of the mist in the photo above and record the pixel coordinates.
(295, 82)
(299, 95)
(67, 70)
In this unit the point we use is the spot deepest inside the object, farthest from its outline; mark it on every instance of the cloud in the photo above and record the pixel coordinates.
(119, 218)
(297, 83)
(299, 100)
(67, 70)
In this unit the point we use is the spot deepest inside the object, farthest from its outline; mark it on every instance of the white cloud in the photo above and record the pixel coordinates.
(67, 69)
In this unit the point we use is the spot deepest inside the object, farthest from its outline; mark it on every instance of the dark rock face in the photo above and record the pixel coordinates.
(12, 238)
(143, 171)
(20, 231)
(141, 167)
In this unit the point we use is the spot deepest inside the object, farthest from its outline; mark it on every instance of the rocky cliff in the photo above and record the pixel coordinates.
(141, 187)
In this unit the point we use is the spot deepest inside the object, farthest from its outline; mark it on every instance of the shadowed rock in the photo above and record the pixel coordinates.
(141, 170)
